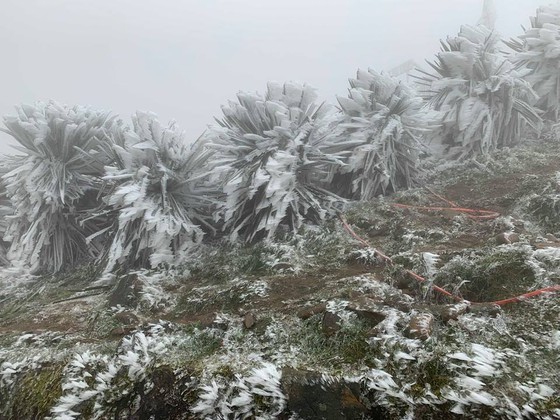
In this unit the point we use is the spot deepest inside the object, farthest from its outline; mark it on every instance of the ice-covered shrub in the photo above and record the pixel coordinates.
(484, 101)
(538, 54)
(268, 150)
(380, 126)
(154, 194)
(96, 383)
(53, 185)
(5, 211)
(544, 206)
(258, 395)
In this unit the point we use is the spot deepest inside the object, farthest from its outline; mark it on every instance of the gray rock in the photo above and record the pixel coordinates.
(421, 326)
(507, 238)
(551, 238)
(249, 320)
(330, 323)
(367, 309)
(311, 395)
(308, 312)
(127, 318)
(488, 309)
(449, 312)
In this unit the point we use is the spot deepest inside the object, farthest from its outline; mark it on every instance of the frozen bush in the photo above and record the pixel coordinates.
(268, 150)
(53, 185)
(484, 101)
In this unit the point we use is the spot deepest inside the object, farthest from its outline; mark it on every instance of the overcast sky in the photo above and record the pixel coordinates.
(182, 59)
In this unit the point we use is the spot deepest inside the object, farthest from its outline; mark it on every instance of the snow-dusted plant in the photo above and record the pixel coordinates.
(258, 395)
(380, 127)
(484, 101)
(268, 150)
(54, 184)
(154, 194)
(100, 381)
(538, 52)
(5, 211)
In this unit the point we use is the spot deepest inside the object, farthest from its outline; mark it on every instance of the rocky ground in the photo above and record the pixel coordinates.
(315, 326)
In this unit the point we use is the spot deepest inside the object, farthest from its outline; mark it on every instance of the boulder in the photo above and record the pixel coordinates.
(449, 312)
(249, 320)
(420, 326)
(488, 309)
(311, 395)
(127, 318)
(505, 238)
(330, 323)
(308, 312)
(367, 310)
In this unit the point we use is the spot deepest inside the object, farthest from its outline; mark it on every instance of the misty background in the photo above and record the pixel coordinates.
(183, 59)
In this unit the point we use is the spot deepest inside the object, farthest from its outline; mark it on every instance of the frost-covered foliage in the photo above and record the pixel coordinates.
(269, 150)
(5, 211)
(256, 395)
(485, 103)
(99, 381)
(544, 206)
(382, 119)
(154, 195)
(54, 185)
(153, 295)
(538, 52)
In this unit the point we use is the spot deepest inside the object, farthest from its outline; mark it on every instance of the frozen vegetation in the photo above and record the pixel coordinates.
(144, 276)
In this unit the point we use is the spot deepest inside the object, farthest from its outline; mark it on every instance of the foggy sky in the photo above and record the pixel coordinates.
(182, 59)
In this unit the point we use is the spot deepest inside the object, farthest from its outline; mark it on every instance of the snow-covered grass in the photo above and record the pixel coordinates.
(478, 365)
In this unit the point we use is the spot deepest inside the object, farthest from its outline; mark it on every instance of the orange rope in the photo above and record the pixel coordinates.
(441, 290)
(445, 200)
(520, 298)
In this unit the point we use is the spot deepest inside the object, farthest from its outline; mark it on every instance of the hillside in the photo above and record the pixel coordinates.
(315, 326)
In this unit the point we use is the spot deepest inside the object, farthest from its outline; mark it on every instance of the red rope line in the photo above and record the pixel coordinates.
(441, 290)
(522, 297)
(445, 200)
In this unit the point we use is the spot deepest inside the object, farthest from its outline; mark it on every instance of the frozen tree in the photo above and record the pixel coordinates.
(488, 17)
(154, 194)
(484, 101)
(6, 211)
(269, 151)
(54, 184)
(538, 54)
(380, 127)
